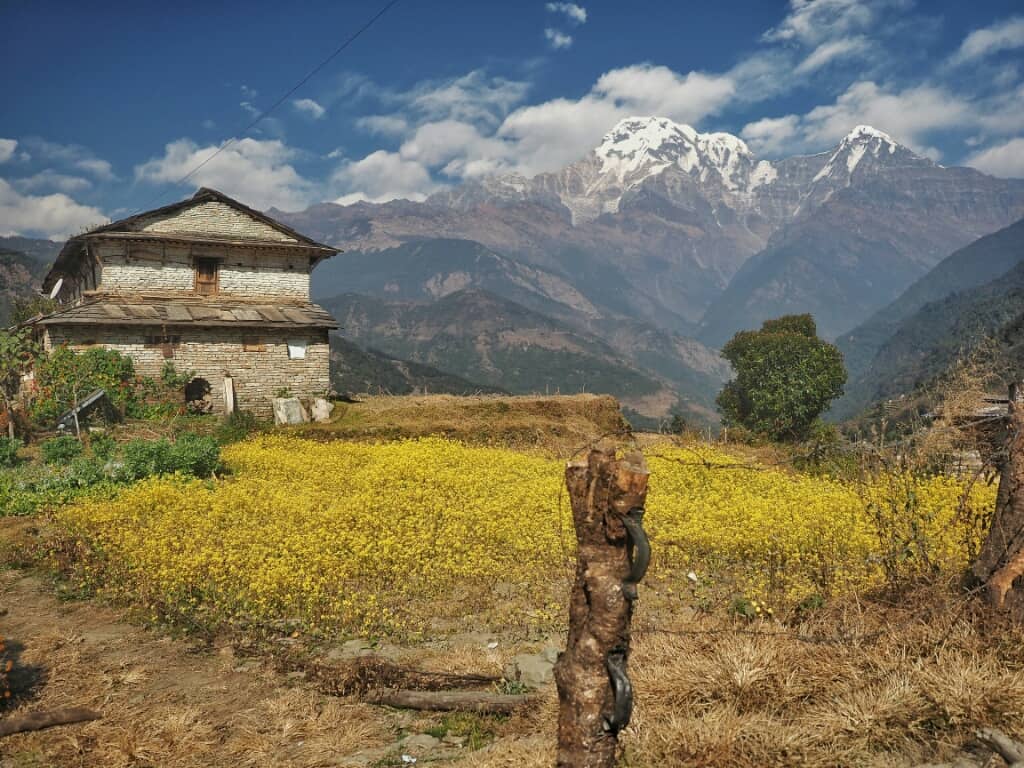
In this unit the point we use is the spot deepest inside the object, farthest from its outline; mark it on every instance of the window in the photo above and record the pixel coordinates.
(253, 344)
(206, 276)
(166, 343)
(297, 350)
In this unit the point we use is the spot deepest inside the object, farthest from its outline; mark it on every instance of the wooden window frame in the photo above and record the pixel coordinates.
(166, 342)
(214, 286)
(253, 343)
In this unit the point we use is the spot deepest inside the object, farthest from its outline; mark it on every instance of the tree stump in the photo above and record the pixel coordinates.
(1000, 565)
(595, 697)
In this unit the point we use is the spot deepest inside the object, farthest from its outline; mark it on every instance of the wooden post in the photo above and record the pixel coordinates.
(1001, 563)
(595, 696)
(229, 395)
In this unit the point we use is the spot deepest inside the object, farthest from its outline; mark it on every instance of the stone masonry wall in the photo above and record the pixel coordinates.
(216, 219)
(244, 272)
(212, 352)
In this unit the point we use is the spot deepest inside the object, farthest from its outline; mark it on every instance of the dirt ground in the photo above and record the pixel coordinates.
(170, 702)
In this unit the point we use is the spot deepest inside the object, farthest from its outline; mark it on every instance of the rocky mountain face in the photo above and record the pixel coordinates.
(874, 349)
(928, 342)
(485, 338)
(691, 231)
(23, 263)
(662, 231)
(355, 371)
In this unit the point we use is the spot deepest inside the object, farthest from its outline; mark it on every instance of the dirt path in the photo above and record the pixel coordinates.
(163, 702)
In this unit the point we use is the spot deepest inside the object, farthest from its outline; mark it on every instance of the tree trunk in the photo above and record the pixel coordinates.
(1001, 562)
(595, 697)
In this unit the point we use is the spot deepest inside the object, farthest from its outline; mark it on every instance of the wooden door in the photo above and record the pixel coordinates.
(206, 276)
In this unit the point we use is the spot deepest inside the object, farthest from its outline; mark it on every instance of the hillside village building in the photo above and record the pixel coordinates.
(207, 283)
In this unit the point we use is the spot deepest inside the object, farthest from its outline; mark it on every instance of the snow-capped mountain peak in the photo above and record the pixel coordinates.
(644, 144)
(861, 145)
(867, 133)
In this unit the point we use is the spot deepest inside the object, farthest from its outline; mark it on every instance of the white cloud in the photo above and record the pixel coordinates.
(50, 180)
(459, 149)
(382, 176)
(575, 13)
(101, 169)
(257, 172)
(908, 115)
(810, 22)
(473, 97)
(71, 156)
(309, 107)
(658, 90)
(772, 135)
(7, 147)
(1005, 160)
(54, 216)
(829, 51)
(557, 39)
(383, 125)
(1001, 36)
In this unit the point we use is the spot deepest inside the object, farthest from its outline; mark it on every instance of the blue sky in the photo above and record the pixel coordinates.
(106, 105)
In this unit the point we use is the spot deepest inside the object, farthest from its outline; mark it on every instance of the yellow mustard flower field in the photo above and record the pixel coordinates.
(420, 535)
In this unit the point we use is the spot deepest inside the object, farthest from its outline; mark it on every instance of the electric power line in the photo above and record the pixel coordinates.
(256, 121)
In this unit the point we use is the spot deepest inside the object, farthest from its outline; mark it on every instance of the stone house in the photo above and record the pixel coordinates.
(207, 283)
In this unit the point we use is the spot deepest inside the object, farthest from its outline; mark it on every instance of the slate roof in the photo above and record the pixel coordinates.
(185, 311)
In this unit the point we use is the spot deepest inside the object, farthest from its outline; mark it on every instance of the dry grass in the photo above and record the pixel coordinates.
(869, 684)
(558, 425)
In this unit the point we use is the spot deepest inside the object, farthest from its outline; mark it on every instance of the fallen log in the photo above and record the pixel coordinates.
(372, 672)
(37, 721)
(1011, 750)
(481, 702)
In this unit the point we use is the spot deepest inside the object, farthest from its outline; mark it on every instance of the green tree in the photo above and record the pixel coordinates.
(785, 378)
(17, 352)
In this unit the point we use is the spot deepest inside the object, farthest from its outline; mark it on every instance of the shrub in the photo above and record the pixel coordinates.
(84, 472)
(102, 445)
(236, 427)
(195, 455)
(190, 455)
(61, 450)
(64, 373)
(144, 458)
(9, 447)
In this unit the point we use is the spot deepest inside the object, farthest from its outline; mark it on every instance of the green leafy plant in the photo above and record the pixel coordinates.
(65, 376)
(190, 454)
(785, 378)
(197, 455)
(61, 450)
(102, 445)
(18, 352)
(9, 447)
(171, 379)
(236, 427)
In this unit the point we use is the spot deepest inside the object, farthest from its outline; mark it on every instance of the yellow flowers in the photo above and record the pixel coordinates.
(395, 537)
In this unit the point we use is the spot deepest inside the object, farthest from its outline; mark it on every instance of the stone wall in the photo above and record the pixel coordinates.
(244, 272)
(214, 219)
(213, 352)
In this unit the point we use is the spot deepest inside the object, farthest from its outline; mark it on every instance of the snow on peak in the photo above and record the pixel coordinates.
(858, 143)
(645, 146)
(866, 133)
